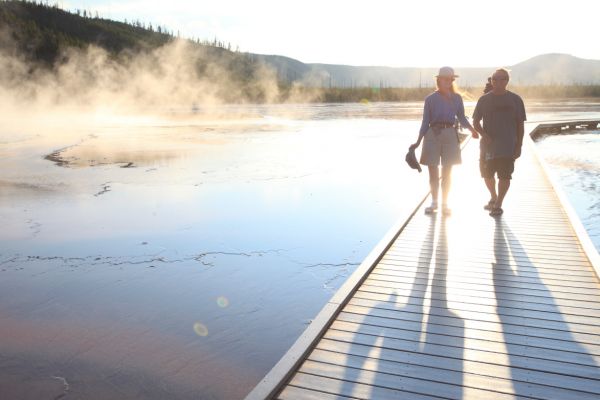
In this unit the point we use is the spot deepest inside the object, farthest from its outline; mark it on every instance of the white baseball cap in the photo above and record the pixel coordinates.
(446, 72)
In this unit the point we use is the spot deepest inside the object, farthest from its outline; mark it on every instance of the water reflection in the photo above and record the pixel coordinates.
(575, 161)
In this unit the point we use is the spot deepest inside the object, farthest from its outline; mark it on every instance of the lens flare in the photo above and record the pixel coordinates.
(222, 301)
(200, 329)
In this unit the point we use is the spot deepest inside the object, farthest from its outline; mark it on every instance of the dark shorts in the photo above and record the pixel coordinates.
(503, 167)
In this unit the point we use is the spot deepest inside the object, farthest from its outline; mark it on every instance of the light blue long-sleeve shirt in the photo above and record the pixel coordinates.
(439, 108)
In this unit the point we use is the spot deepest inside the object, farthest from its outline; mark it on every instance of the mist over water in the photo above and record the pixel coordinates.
(88, 83)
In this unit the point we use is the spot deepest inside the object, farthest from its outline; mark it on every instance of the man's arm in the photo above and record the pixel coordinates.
(478, 127)
(521, 118)
(520, 134)
(477, 116)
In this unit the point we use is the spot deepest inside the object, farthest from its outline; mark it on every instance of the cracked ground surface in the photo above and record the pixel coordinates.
(170, 261)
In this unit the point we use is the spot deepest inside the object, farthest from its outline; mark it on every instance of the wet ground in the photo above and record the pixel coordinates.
(179, 256)
(575, 159)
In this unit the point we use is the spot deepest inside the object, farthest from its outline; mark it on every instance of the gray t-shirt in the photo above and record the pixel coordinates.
(501, 116)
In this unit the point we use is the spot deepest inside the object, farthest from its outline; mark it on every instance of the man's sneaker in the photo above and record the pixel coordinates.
(489, 205)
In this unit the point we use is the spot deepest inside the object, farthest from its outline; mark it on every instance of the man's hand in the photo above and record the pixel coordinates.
(474, 134)
(414, 146)
(517, 152)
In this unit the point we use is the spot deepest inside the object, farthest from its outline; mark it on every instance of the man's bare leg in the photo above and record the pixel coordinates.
(503, 185)
(490, 183)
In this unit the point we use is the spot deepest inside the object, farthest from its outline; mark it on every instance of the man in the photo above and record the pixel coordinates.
(488, 86)
(503, 114)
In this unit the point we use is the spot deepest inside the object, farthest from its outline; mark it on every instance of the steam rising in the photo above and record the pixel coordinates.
(178, 74)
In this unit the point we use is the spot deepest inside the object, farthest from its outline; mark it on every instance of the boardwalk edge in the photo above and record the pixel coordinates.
(273, 382)
(584, 238)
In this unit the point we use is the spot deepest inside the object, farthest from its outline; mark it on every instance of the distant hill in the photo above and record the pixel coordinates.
(540, 70)
(557, 69)
(40, 32)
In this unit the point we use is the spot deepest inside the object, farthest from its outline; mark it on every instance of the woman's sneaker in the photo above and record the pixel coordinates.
(432, 208)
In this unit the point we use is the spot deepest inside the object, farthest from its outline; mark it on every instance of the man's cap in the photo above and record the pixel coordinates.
(446, 72)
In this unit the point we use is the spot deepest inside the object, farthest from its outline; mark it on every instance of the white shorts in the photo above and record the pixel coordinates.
(440, 144)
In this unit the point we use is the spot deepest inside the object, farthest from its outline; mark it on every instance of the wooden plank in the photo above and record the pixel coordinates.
(523, 235)
(293, 393)
(408, 294)
(488, 258)
(435, 283)
(564, 252)
(452, 352)
(451, 317)
(533, 248)
(491, 257)
(390, 381)
(455, 321)
(498, 379)
(492, 311)
(512, 267)
(496, 247)
(488, 264)
(502, 305)
(492, 277)
(549, 287)
(354, 390)
(517, 270)
(385, 325)
(494, 343)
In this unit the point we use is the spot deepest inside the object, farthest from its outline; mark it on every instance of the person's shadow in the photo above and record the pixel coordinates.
(542, 347)
(403, 348)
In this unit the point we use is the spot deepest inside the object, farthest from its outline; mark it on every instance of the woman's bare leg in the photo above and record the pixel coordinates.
(446, 183)
(434, 183)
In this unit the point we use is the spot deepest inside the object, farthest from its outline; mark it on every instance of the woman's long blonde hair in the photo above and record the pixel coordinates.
(454, 89)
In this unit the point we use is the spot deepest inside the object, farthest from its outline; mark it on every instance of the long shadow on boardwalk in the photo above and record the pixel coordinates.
(553, 357)
(394, 350)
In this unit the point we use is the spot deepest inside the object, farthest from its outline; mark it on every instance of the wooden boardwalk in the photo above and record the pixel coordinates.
(461, 307)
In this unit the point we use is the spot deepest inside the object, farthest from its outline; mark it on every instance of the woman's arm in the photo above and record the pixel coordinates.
(424, 123)
(464, 122)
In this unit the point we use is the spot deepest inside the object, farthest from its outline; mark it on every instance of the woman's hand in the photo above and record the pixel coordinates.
(474, 134)
(414, 145)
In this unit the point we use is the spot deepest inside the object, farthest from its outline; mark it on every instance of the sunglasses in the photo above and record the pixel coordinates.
(499, 79)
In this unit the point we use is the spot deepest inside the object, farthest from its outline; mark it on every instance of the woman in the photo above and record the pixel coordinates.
(439, 135)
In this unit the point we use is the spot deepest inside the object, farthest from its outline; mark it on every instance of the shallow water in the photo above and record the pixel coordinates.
(575, 159)
(180, 256)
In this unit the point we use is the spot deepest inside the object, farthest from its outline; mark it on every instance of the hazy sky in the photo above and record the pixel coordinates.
(428, 33)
